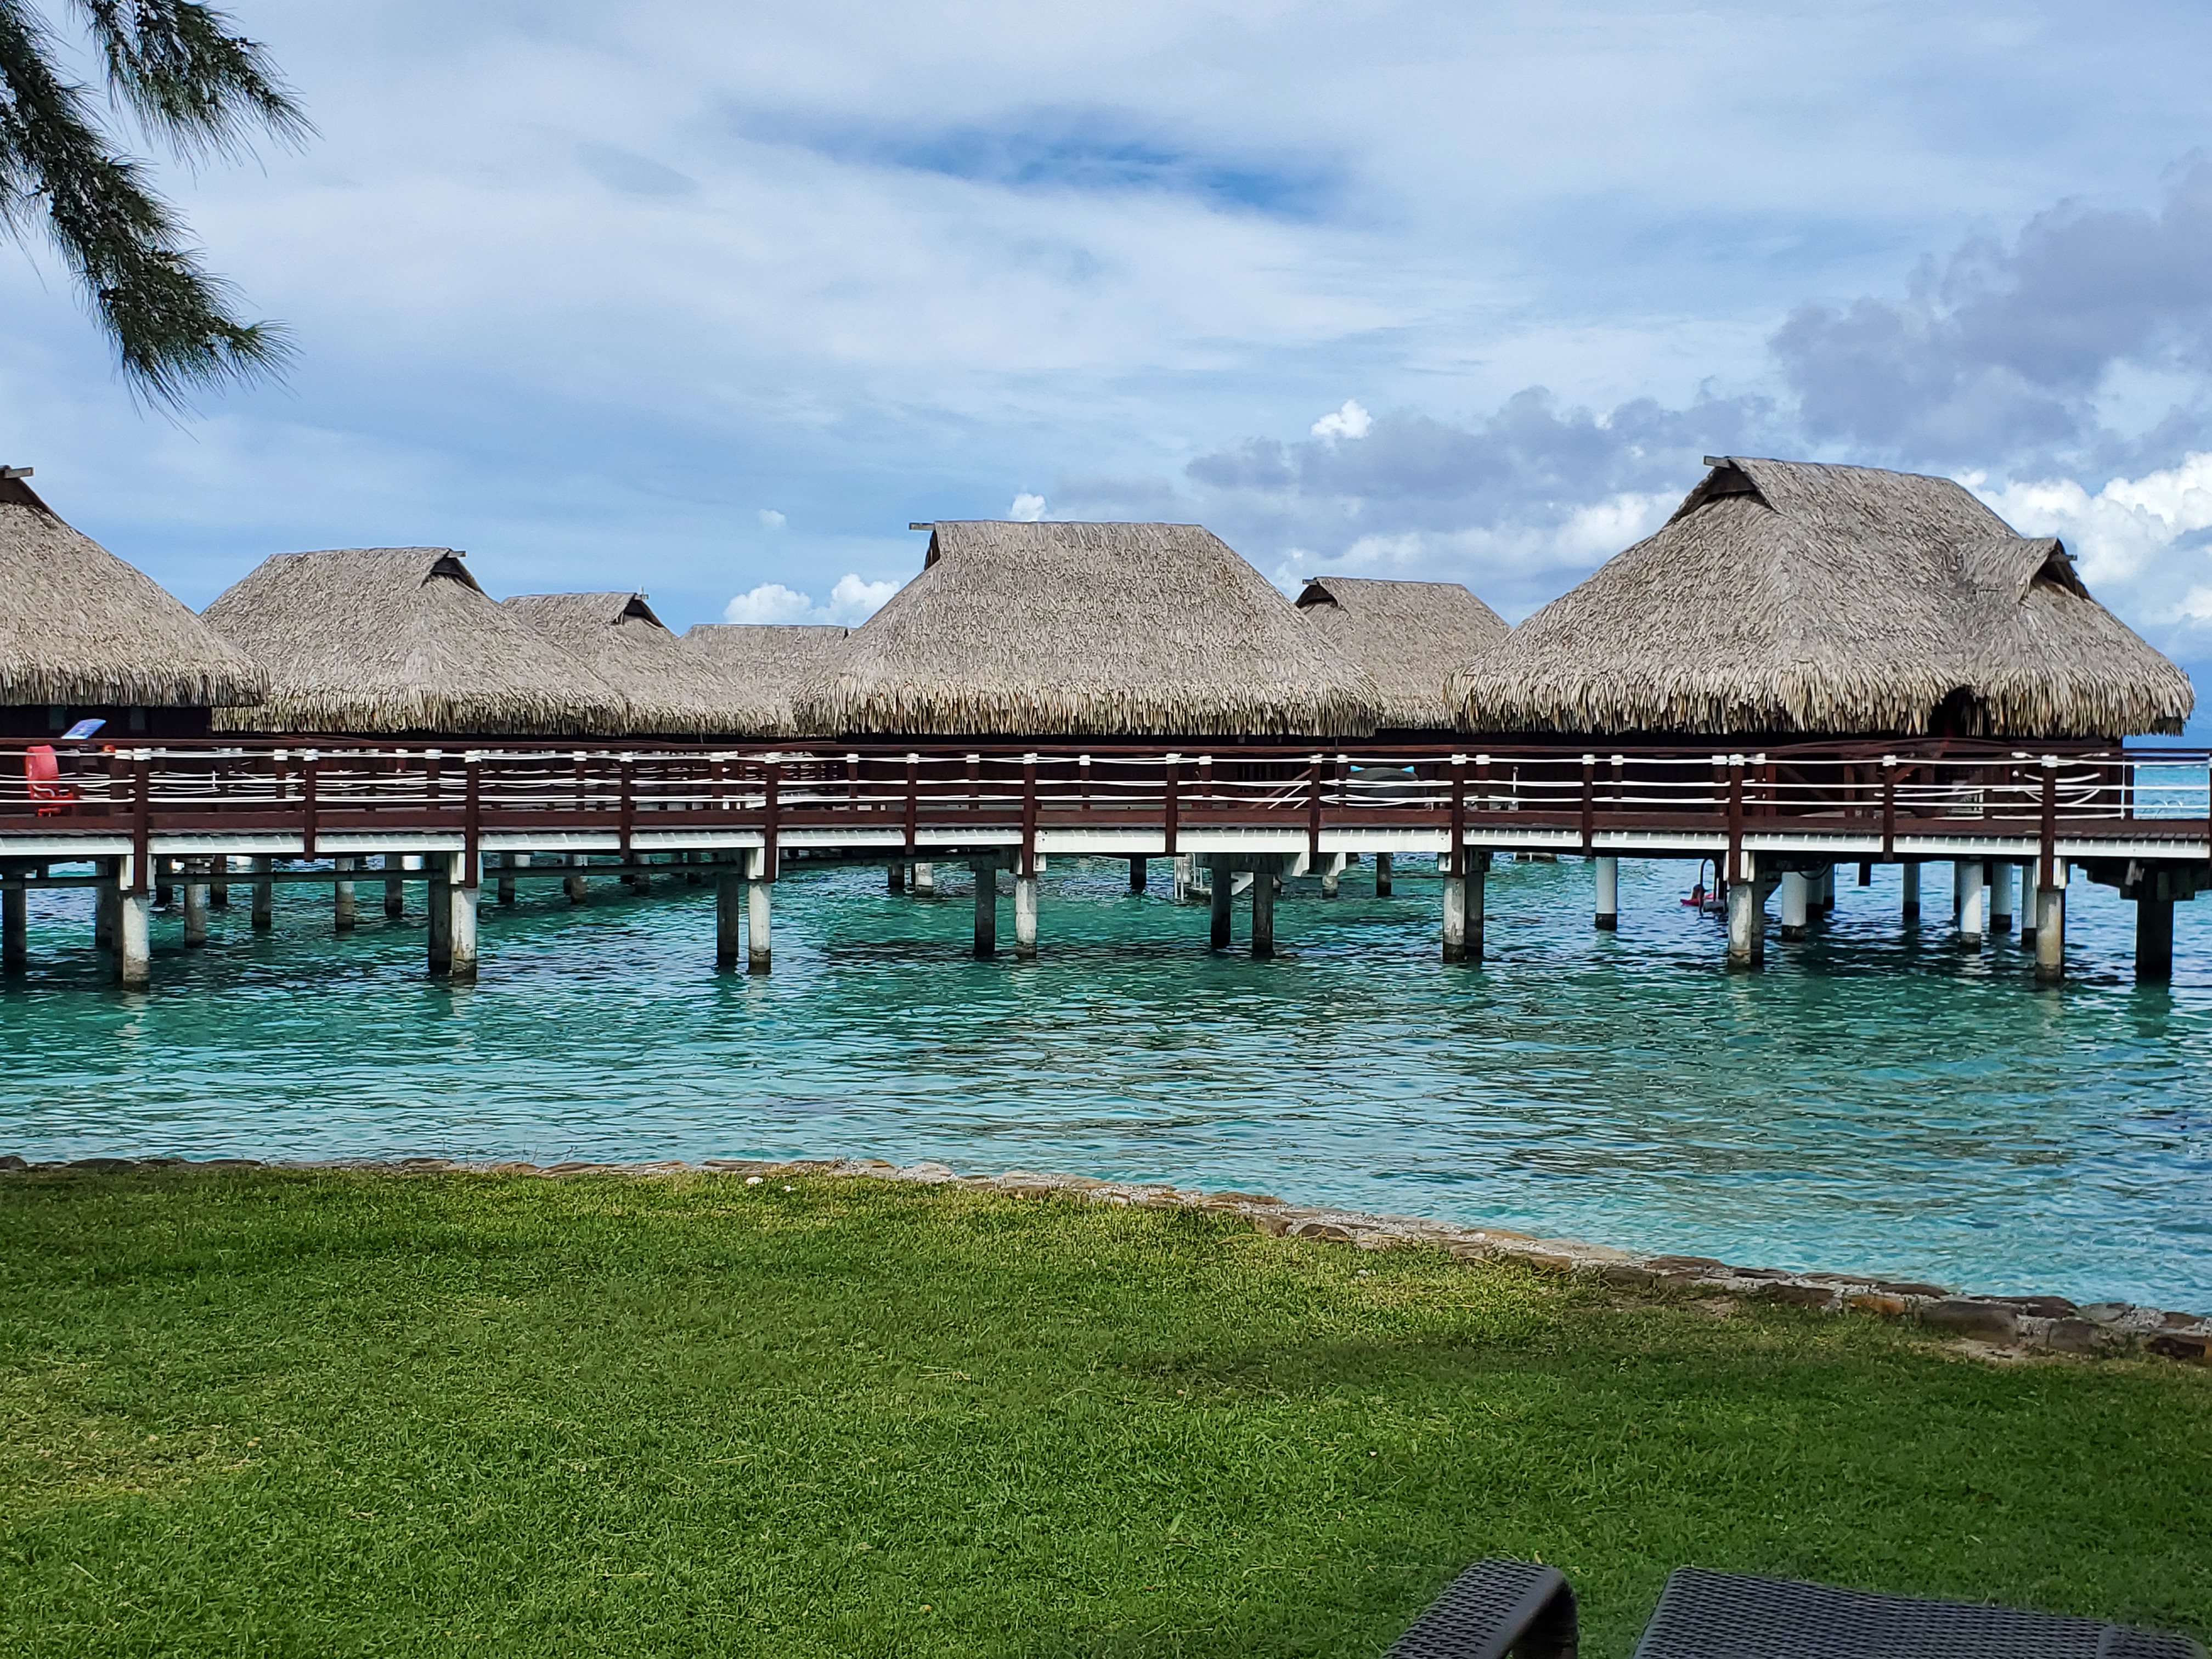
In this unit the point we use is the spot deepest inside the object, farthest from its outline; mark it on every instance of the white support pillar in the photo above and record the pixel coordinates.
(265, 895)
(925, 880)
(2026, 906)
(196, 907)
(343, 915)
(1747, 915)
(760, 937)
(1382, 875)
(1824, 892)
(2000, 896)
(464, 889)
(505, 879)
(2051, 932)
(574, 882)
(1455, 915)
(1608, 894)
(1025, 918)
(1796, 902)
(134, 932)
(1974, 902)
(1910, 908)
(1332, 874)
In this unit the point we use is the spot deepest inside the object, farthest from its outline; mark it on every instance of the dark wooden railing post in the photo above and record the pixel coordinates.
(1029, 814)
(626, 805)
(142, 819)
(2046, 878)
(1169, 804)
(1313, 809)
(1734, 819)
(471, 817)
(771, 814)
(1458, 831)
(310, 763)
(1888, 808)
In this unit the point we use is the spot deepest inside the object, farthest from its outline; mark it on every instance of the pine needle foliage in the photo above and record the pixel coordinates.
(196, 86)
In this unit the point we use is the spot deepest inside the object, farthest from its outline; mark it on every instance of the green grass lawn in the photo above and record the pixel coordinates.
(338, 1413)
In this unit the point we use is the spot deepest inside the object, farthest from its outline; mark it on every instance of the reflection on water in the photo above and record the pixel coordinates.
(1874, 1100)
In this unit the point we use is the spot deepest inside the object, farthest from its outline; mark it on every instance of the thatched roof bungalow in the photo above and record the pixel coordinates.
(761, 671)
(1784, 596)
(617, 636)
(1138, 631)
(84, 635)
(401, 639)
(1411, 637)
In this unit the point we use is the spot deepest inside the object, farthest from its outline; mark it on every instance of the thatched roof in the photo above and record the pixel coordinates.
(759, 671)
(618, 638)
(1411, 637)
(1090, 629)
(1784, 596)
(79, 627)
(401, 639)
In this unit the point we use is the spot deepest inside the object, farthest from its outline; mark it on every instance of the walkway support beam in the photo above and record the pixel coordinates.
(987, 906)
(1972, 899)
(760, 922)
(1025, 917)
(1382, 875)
(1796, 903)
(1746, 919)
(265, 895)
(1608, 894)
(2050, 935)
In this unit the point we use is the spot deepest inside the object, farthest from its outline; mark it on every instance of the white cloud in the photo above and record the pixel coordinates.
(771, 519)
(852, 600)
(1350, 422)
(1027, 508)
(771, 602)
(2124, 537)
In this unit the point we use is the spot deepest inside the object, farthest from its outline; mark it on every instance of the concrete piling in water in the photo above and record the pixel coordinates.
(574, 882)
(1136, 875)
(2000, 896)
(895, 877)
(1909, 907)
(1263, 915)
(264, 893)
(2051, 934)
(343, 914)
(219, 889)
(134, 929)
(440, 903)
(395, 886)
(463, 889)
(1382, 875)
(1608, 917)
(104, 911)
(925, 880)
(1221, 888)
(14, 930)
(730, 913)
(986, 906)
(1025, 917)
(1973, 895)
(760, 936)
(1796, 898)
(1746, 919)
(195, 909)
(1332, 874)
(506, 889)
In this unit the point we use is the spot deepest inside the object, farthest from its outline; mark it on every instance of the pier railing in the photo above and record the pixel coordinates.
(317, 788)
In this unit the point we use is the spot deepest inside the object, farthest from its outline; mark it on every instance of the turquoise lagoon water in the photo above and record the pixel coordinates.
(1874, 1100)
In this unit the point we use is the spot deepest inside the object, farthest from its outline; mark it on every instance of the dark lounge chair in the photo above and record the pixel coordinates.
(1495, 1609)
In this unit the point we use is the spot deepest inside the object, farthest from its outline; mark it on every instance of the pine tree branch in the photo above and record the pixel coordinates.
(170, 319)
(190, 81)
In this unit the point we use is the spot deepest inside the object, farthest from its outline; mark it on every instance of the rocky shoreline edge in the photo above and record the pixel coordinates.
(2022, 1324)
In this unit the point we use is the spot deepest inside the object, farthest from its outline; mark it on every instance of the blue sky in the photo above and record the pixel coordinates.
(712, 301)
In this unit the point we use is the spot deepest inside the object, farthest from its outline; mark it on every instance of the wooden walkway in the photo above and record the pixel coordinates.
(317, 809)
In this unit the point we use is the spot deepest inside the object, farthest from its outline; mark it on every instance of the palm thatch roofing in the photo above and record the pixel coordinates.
(1789, 597)
(617, 635)
(1411, 637)
(80, 627)
(1090, 629)
(402, 640)
(761, 670)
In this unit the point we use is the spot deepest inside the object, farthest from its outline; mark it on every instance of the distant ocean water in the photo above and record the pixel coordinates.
(1875, 1101)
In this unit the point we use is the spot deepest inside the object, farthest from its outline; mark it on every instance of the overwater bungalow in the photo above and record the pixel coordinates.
(761, 670)
(85, 636)
(669, 691)
(398, 641)
(1786, 597)
(1143, 632)
(1410, 637)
